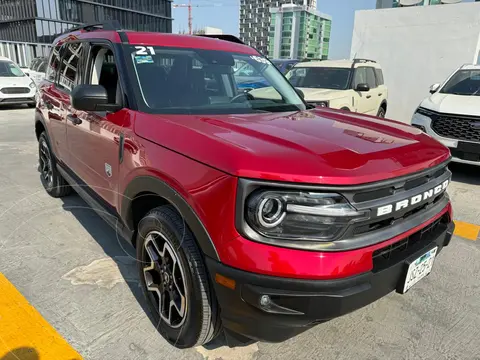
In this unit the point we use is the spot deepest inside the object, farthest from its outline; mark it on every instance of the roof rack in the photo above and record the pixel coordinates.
(356, 61)
(107, 25)
(224, 37)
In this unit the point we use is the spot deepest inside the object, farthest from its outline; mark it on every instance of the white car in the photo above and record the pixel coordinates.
(37, 69)
(451, 114)
(351, 85)
(15, 86)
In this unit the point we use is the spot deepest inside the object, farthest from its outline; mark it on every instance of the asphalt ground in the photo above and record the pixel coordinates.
(69, 289)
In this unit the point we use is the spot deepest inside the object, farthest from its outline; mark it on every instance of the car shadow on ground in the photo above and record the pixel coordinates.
(468, 174)
(117, 249)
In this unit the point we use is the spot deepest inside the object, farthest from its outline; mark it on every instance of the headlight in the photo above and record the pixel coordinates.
(424, 112)
(32, 85)
(300, 215)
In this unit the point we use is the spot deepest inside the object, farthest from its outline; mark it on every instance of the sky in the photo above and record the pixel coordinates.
(224, 14)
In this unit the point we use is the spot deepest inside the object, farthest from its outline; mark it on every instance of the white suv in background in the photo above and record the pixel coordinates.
(352, 85)
(451, 114)
(15, 86)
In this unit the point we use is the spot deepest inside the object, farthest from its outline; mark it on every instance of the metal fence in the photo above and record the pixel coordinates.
(22, 53)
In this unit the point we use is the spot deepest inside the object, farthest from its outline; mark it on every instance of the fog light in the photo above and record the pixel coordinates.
(265, 301)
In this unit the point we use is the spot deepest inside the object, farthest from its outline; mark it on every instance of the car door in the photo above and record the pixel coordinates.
(363, 100)
(375, 91)
(51, 106)
(94, 137)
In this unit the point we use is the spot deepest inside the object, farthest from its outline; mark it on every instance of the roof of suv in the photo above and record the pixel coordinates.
(158, 39)
(339, 63)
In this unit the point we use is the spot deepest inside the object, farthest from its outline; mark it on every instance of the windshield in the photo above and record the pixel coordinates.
(198, 81)
(464, 82)
(320, 77)
(10, 69)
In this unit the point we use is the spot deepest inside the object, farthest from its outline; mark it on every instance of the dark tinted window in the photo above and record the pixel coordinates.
(371, 81)
(71, 54)
(53, 64)
(379, 74)
(320, 77)
(360, 76)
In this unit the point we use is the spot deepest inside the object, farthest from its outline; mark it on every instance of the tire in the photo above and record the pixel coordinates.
(345, 109)
(381, 112)
(55, 185)
(163, 230)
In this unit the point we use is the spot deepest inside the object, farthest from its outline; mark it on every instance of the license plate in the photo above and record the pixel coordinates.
(419, 268)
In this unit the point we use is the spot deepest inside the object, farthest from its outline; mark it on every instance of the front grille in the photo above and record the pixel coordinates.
(15, 90)
(16, 100)
(401, 250)
(457, 127)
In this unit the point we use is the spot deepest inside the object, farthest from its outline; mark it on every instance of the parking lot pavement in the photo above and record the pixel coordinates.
(82, 282)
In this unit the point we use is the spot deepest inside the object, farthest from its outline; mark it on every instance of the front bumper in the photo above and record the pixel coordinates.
(425, 124)
(297, 305)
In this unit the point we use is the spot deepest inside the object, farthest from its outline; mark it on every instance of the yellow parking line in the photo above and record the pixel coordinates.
(466, 230)
(24, 333)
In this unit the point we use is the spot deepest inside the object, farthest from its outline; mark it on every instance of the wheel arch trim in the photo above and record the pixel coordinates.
(156, 186)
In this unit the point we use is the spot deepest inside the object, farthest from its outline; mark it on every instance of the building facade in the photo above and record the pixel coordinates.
(299, 32)
(385, 4)
(27, 24)
(255, 18)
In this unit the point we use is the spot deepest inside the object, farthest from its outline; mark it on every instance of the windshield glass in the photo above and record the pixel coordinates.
(10, 69)
(320, 77)
(464, 82)
(198, 81)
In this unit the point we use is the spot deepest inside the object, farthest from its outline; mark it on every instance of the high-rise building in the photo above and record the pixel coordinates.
(299, 32)
(26, 24)
(383, 4)
(255, 20)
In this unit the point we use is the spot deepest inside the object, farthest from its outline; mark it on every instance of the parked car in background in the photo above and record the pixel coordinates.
(15, 86)
(284, 65)
(247, 77)
(37, 70)
(451, 114)
(351, 85)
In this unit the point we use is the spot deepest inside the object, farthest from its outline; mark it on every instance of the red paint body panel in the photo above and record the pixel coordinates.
(270, 260)
(316, 147)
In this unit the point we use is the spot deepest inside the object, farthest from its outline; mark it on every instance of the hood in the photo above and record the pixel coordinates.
(14, 81)
(312, 94)
(453, 104)
(315, 146)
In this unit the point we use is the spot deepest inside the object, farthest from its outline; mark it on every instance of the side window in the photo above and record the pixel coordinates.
(103, 71)
(379, 75)
(289, 66)
(360, 76)
(69, 67)
(53, 64)
(371, 81)
(42, 67)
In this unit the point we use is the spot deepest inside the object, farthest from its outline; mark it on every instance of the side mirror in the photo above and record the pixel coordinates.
(28, 74)
(91, 98)
(434, 88)
(300, 93)
(362, 87)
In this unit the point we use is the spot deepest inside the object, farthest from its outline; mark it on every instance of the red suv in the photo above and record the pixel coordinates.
(257, 217)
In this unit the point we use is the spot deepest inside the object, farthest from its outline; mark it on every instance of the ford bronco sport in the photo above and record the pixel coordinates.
(257, 217)
(351, 85)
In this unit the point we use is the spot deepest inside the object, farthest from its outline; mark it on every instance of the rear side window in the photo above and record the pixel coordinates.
(53, 64)
(371, 81)
(72, 54)
(379, 75)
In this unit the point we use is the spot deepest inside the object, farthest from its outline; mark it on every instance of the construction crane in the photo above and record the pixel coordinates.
(189, 6)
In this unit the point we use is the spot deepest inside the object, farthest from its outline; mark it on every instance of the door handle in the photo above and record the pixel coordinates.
(74, 119)
(48, 105)
(369, 96)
